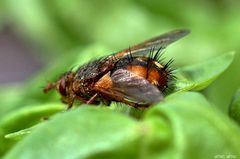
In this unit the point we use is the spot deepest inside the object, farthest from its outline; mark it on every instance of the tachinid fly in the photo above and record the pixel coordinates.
(134, 76)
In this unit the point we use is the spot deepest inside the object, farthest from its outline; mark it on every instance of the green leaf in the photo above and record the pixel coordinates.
(199, 76)
(234, 109)
(10, 97)
(81, 133)
(24, 118)
(28, 116)
(19, 134)
(198, 130)
(184, 125)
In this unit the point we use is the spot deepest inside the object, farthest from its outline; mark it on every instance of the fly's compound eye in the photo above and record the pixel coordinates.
(62, 87)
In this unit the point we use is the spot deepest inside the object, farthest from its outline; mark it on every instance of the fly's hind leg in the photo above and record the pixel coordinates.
(92, 99)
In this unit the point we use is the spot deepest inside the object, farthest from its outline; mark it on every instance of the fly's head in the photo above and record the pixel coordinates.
(64, 87)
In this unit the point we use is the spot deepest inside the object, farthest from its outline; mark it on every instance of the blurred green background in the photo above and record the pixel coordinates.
(48, 37)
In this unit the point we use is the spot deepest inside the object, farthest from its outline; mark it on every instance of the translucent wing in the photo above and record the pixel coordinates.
(135, 88)
(158, 42)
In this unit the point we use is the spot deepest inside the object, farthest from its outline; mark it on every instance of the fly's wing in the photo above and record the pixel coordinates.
(159, 42)
(134, 88)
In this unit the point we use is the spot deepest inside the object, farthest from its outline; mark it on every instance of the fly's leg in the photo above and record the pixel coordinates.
(89, 101)
(92, 99)
(81, 99)
(70, 104)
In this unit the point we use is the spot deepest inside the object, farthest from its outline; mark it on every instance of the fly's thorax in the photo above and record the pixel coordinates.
(80, 87)
(83, 87)
(96, 69)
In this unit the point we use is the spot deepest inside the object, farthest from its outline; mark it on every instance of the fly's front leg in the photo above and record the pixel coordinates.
(68, 101)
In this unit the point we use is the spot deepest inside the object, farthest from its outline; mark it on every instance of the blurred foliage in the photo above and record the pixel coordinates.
(234, 109)
(75, 32)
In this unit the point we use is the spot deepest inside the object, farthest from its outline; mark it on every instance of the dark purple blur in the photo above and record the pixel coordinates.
(18, 58)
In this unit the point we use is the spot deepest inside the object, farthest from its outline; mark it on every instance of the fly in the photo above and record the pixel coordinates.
(134, 76)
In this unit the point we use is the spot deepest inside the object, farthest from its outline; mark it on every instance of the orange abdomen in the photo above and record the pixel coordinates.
(154, 75)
